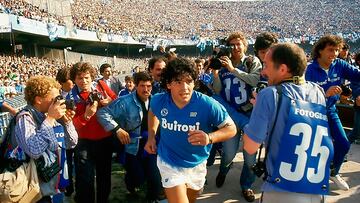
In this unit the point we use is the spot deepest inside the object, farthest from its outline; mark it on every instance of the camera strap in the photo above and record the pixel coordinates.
(77, 92)
(279, 92)
(100, 85)
(82, 99)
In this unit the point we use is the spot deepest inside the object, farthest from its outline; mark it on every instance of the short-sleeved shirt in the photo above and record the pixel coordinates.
(201, 113)
(263, 118)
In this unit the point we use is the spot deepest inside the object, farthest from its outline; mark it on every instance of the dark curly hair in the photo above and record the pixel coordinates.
(82, 67)
(264, 41)
(176, 69)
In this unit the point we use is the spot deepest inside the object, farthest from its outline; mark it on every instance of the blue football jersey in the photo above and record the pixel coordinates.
(202, 113)
(305, 151)
(300, 149)
(234, 90)
(64, 176)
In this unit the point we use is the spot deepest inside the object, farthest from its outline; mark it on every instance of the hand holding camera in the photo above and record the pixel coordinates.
(91, 109)
(259, 86)
(220, 52)
(226, 62)
(105, 100)
(333, 90)
(57, 109)
(94, 97)
(69, 115)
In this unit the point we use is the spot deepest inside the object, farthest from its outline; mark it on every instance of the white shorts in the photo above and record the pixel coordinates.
(193, 178)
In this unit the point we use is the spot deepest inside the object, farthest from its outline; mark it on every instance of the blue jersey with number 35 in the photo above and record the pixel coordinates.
(303, 165)
(301, 149)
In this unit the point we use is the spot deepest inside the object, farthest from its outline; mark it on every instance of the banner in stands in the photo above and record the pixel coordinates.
(5, 25)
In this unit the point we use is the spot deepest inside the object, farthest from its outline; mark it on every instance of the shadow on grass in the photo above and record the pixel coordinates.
(119, 193)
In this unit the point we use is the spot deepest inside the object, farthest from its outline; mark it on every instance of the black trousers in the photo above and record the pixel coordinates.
(143, 168)
(93, 157)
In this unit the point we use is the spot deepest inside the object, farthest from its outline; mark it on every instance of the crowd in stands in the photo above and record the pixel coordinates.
(22, 8)
(16, 70)
(210, 19)
(180, 19)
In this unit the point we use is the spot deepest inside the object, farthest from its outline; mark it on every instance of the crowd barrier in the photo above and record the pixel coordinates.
(17, 102)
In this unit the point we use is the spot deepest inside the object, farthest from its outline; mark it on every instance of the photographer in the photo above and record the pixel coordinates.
(296, 169)
(92, 153)
(40, 130)
(233, 82)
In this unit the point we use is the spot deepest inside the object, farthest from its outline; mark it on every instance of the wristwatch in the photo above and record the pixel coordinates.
(210, 138)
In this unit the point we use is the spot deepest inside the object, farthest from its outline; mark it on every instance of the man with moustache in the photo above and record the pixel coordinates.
(127, 118)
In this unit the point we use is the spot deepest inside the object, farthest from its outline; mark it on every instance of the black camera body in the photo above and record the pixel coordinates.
(46, 173)
(259, 168)
(223, 50)
(70, 104)
(346, 90)
(260, 85)
(95, 96)
(59, 97)
(203, 88)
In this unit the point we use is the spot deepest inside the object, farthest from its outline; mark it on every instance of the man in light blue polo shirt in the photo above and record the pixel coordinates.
(290, 118)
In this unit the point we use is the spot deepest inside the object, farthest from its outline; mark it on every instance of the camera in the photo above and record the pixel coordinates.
(46, 173)
(57, 98)
(70, 104)
(223, 50)
(94, 96)
(260, 85)
(259, 168)
(346, 90)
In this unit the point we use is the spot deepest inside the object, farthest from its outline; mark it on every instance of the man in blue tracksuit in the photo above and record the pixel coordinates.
(127, 118)
(328, 71)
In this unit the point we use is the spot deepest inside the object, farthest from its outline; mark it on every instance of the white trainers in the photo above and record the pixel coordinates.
(340, 182)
